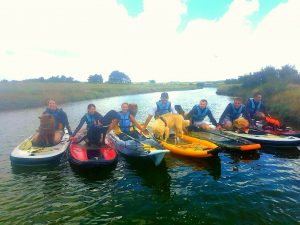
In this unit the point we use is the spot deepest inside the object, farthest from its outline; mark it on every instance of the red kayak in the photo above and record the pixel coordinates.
(84, 156)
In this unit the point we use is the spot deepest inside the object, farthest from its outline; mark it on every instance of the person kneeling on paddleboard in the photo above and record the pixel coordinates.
(255, 105)
(198, 114)
(163, 106)
(233, 112)
(52, 124)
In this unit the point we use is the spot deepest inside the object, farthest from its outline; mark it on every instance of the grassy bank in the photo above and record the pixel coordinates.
(22, 95)
(282, 100)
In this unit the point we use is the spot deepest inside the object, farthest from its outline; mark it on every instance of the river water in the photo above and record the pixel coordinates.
(258, 188)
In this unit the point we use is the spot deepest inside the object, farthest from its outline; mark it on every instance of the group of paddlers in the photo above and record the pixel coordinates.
(236, 115)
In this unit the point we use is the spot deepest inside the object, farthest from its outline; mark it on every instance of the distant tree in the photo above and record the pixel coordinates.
(61, 78)
(96, 78)
(117, 77)
(288, 73)
(200, 85)
(41, 79)
(4, 81)
(70, 79)
(58, 79)
(152, 81)
(231, 81)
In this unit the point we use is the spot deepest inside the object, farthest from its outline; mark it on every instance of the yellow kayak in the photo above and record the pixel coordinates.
(192, 147)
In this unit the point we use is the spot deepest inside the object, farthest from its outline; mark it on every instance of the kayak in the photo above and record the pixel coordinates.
(144, 148)
(83, 156)
(284, 132)
(266, 139)
(225, 141)
(26, 154)
(192, 147)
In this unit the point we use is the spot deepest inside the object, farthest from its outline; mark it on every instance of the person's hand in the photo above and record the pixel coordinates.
(71, 138)
(218, 127)
(143, 128)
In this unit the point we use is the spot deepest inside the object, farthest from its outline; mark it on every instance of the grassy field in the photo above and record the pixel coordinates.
(282, 101)
(22, 95)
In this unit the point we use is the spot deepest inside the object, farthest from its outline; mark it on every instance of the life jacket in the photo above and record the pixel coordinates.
(125, 123)
(254, 108)
(272, 121)
(162, 108)
(236, 113)
(201, 113)
(90, 120)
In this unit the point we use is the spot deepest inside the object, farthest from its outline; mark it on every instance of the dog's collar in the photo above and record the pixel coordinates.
(163, 119)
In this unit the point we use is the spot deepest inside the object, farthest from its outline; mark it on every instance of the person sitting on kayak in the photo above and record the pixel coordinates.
(255, 105)
(198, 114)
(61, 122)
(97, 125)
(163, 106)
(127, 122)
(232, 112)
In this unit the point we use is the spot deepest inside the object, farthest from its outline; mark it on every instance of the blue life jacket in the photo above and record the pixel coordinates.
(236, 113)
(90, 120)
(163, 108)
(125, 123)
(201, 113)
(254, 108)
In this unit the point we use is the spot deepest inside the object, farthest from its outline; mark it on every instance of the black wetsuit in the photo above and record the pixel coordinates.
(94, 131)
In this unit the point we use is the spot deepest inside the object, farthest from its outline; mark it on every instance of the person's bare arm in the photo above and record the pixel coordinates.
(135, 122)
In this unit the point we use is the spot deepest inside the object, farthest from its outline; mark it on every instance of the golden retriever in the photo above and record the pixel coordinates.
(161, 127)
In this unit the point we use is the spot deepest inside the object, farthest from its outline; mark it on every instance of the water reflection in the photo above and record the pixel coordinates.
(47, 179)
(288, 153)
(93, 174)
(211, 165)
(155, 177)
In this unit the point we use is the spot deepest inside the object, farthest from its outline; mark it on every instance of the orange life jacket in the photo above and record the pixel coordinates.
(272, 121)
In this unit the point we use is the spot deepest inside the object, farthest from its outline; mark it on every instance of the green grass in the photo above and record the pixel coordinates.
(22, 95)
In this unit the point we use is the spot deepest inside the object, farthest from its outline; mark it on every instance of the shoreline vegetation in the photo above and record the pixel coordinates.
(280, 89)
(24, 95)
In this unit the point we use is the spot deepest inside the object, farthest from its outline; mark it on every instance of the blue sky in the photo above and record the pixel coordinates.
(162, 40)
(205, 9)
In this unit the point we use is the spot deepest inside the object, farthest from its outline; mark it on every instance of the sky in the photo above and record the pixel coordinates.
(162, 40)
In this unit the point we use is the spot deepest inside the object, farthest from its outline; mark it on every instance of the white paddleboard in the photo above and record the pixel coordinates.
(27, 154)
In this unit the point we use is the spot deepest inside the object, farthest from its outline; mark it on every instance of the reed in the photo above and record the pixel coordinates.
(20, 95)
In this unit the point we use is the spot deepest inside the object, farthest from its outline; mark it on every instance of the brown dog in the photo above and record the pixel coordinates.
(46, 131)
(241, 125)
(161, 127)
(133, 108)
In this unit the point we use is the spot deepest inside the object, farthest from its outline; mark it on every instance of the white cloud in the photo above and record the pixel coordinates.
(80, 38)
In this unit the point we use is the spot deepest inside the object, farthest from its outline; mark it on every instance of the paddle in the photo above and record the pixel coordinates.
(134, 139)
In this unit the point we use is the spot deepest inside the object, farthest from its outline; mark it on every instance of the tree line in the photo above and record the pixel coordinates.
(116, 77)
(286, 74)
